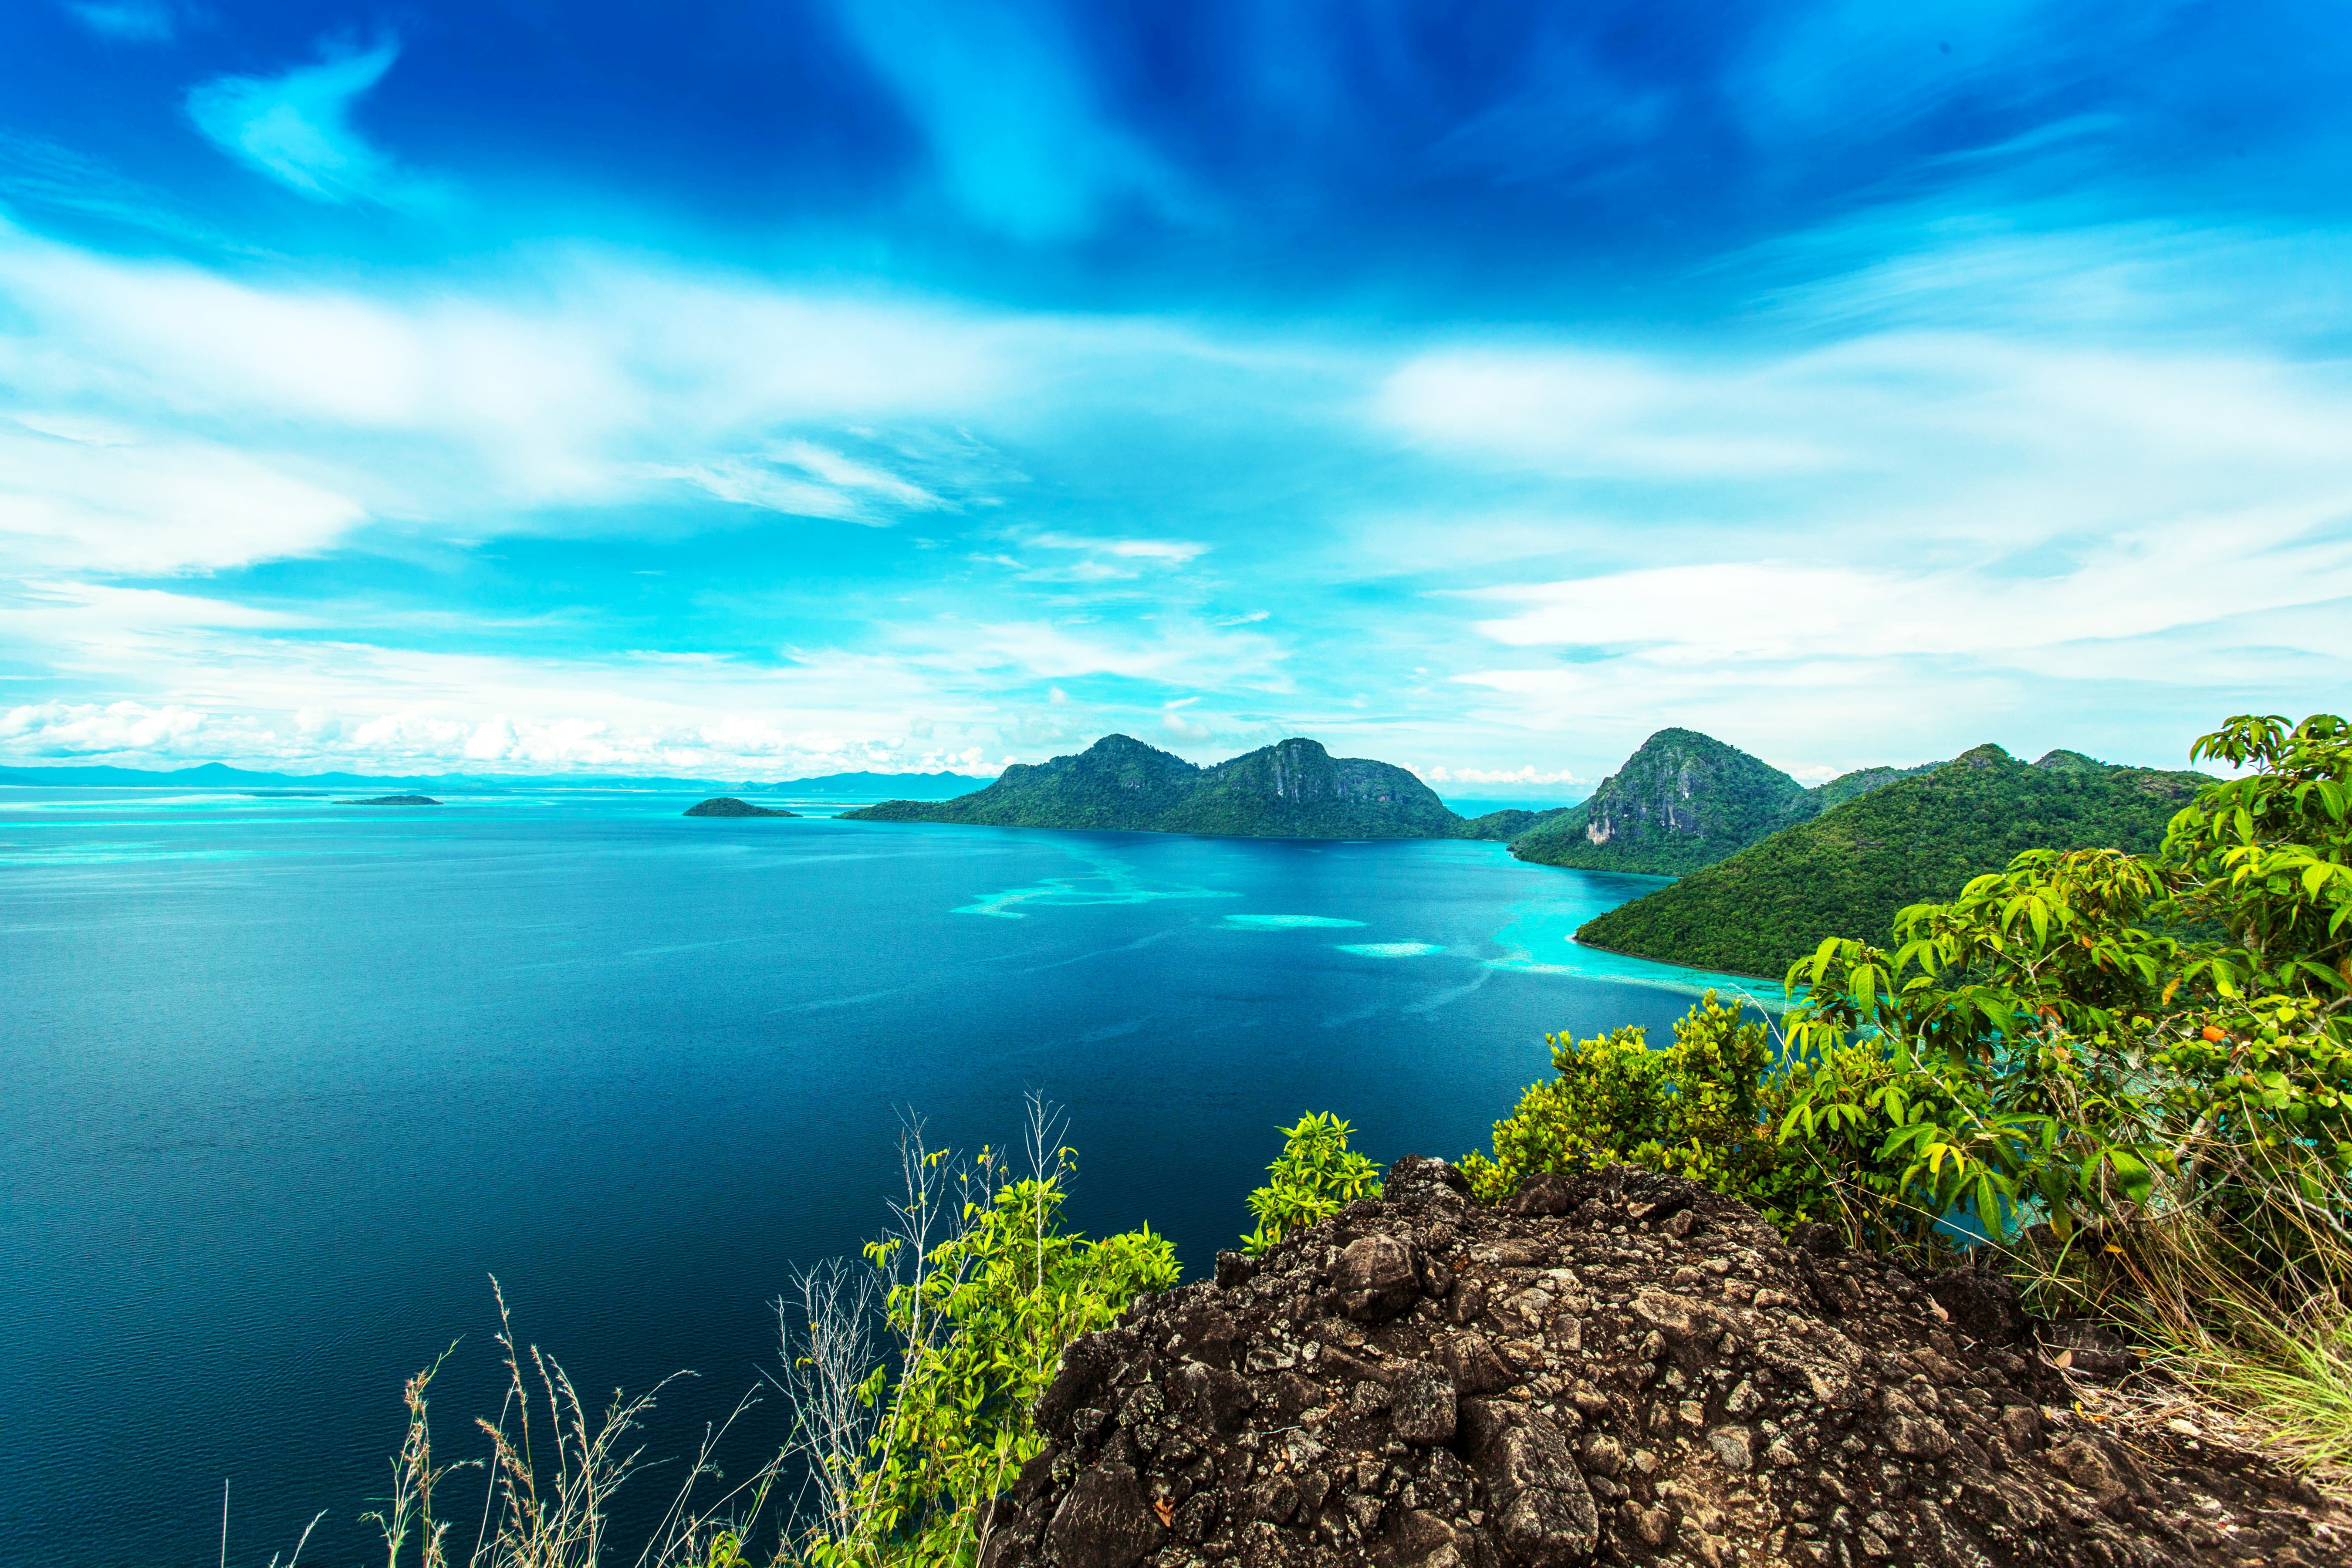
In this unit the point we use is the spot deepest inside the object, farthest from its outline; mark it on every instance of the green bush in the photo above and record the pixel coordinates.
(976, 1325)
(1315, 1176)
(1703, 1108)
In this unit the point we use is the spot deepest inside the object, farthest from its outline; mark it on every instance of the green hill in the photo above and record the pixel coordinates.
(1683, 801)
(1510, 822)
(1293, 789)
(1848, 872)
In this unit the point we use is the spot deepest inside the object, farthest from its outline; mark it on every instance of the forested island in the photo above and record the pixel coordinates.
(729, 805)
(1292, 789)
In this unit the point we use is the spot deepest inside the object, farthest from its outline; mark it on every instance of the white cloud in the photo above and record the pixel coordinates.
(578, 384)
(79, 495)
(1527, 774)
(1173, 551)
(87, 729)
(296, 128)
(1172, 720)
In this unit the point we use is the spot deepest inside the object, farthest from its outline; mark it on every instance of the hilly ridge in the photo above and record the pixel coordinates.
(1292, 789)
(1848, 872)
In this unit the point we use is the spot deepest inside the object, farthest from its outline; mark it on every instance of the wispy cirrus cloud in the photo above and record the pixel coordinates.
(296, 128)
(1019, 137)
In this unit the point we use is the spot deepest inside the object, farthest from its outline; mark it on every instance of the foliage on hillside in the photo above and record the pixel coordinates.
(1501, 826)
(1293, 789)
(1861, 781)
(1849, 871)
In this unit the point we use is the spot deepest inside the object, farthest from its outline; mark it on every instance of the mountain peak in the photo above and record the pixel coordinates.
(1681, 801)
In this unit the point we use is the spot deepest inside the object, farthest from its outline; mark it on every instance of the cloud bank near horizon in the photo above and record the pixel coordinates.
(1964, 398)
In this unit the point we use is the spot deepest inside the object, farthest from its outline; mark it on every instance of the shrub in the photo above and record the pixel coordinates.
(1315, 1176)
(976, 1321)
(1702, 1107)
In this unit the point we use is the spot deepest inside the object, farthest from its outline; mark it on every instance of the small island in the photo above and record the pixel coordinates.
(728, 806)
(392, 800)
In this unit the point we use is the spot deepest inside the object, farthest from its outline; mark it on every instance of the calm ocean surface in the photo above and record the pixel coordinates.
(282, 1082)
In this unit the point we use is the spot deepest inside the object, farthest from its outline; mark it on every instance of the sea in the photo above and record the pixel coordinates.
(285, 1083)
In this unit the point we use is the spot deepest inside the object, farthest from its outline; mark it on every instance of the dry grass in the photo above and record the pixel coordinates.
(554, 1466)
(2244, 1321)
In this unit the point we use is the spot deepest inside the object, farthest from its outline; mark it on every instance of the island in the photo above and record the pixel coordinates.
(1292, 789)
(728, 806)
(392, 800)
(1914, 840)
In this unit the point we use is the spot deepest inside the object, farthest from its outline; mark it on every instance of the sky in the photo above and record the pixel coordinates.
(766, 388)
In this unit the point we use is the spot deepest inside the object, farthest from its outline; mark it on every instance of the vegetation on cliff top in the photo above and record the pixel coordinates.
(1849, 871)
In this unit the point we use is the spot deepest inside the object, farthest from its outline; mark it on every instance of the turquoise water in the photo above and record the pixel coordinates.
(287, 1080)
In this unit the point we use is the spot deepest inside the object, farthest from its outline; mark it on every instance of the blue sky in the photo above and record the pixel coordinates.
(764, 389)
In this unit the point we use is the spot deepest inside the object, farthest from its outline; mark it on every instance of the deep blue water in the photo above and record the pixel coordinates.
(286, 1081)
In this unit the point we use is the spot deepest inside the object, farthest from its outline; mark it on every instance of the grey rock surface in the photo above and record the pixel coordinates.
(1633, 1370)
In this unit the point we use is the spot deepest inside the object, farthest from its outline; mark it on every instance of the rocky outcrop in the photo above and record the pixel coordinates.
(728, 806)
(392, 800)
(1620, 1368)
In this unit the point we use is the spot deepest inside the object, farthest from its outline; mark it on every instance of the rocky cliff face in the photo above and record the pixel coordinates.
(1622, 1369)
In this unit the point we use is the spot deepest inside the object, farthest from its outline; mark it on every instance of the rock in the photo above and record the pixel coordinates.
(1820, 1240)
(392, 800)
(1104, 1521)
(1234, 1268)
(1982, 1306)
(1590, 1392)
(1546, 1191)
(1473, 1365)
(1544, 1515)
(1421, 1405)
(1734, 1446)
(2081, 1461)
(1377, 1277)
(1086, 1363)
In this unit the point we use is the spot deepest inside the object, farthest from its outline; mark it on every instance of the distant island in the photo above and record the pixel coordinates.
(1903, 840)
(219, 775)
(728, 806)
(1292, 789)
(392, 800)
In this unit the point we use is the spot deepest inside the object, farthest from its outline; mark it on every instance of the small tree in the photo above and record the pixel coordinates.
(1315, 1176)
